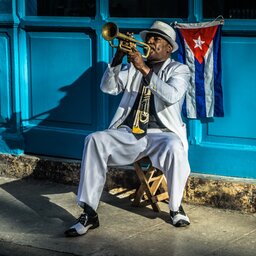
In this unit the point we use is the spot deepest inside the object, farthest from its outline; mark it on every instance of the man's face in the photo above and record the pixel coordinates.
(160, 48)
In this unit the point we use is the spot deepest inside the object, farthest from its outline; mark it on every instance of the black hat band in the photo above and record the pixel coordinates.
(158, 31)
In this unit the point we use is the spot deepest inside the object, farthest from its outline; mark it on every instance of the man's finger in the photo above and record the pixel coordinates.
(131, 54)
(134, 49)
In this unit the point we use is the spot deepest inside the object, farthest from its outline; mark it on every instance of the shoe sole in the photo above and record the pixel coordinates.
(96, 225)
(75, 234)
(181, 223)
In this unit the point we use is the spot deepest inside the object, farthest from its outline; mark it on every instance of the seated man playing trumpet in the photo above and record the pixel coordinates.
(147, 123)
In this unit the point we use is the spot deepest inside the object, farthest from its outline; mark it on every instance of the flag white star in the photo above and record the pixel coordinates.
(198, 42)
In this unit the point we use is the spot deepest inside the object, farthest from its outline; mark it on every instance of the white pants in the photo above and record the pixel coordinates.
(119, 147)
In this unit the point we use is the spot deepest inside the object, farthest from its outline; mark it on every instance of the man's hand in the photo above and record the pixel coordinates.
(136, 58)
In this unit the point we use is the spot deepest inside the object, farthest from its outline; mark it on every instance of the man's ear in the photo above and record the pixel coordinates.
(169, 48)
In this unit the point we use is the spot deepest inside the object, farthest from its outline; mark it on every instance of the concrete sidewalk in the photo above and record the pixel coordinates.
(34, 215)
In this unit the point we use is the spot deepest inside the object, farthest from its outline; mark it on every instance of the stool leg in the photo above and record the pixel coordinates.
(141, 190)
(145, 187)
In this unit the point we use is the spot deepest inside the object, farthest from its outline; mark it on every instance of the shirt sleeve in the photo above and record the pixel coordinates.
(174, 88)
(114, 79)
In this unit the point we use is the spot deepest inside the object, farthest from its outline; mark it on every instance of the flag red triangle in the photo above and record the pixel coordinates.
(199, 40)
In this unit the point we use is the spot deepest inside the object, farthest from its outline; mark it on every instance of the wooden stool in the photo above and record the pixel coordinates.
(153, 185)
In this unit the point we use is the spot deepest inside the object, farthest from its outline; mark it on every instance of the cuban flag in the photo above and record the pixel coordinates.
(200, 49)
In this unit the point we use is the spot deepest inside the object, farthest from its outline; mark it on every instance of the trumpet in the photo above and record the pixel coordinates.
(110, 31)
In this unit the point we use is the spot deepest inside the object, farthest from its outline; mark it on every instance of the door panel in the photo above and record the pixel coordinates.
(61, 92)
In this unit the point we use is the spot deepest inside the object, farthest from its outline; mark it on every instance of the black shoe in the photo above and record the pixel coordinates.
(179, 218)
(84, 222)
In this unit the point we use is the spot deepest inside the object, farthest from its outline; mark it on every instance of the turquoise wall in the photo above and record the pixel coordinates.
(50, 69)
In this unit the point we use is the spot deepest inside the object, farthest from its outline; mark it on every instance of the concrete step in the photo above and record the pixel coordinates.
(217, 191)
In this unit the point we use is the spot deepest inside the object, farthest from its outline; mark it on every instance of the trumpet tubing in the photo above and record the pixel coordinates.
(110, 31)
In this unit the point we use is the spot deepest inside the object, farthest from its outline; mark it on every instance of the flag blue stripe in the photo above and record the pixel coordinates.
(181, 44)
(181, 58)
(218, 95)
(200, 92)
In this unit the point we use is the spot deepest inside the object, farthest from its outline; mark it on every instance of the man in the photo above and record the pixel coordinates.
(162, 137)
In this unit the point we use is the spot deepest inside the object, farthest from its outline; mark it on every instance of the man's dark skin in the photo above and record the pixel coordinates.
(160, 51)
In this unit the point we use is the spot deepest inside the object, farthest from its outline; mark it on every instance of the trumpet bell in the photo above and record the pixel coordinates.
(110, 31)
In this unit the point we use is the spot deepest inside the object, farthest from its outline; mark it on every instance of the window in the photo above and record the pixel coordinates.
(230, 9)
(149, 8)
(5, 6)
(74, 8)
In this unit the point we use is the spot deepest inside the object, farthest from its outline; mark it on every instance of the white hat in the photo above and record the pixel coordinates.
(164, 30)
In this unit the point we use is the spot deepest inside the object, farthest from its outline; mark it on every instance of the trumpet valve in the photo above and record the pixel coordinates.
(126, 45)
